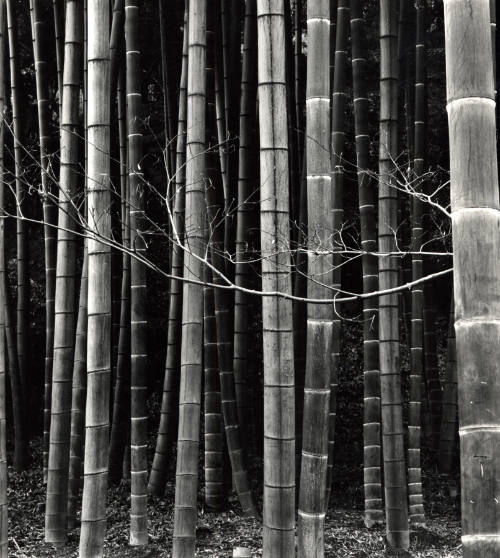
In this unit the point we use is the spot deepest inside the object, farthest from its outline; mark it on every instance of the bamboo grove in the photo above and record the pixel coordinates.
(218, 192)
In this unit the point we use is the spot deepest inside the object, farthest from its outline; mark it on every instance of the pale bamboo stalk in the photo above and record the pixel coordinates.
(64, 324)
(39, 27)
(475, 215)
(95, 478)
(279, 389)
(168, 411)
(371, 372)
(313, 475)
(396, 505)
(138, 323)
(79, 392)
(186, 485)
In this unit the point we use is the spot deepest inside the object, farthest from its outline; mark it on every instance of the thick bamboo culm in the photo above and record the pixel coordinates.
(313, 475)
(371, 410)
(65, 296)
(168, 411)
(186, 482)
(279, 389)
(475, 214)
(416, 507)
(99, 283)
(396, 505)
(39, 27)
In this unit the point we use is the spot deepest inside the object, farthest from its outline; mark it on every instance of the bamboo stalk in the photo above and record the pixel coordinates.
(371, 367)
(476, 243)
(64, 324)
(184, 535)
(99, 282)
(414, 419)
(49, 209)
(138, 323)
(396, 505)
(279, 389)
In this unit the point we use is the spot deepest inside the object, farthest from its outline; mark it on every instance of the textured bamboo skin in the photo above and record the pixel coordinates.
(313, 474)
(476, 244)
(338, 141)
(415, 496)
(245, 215)
(64, 325)
(99, 284)
(448, 433)
(78, 395)
(38, 25)
(116, 44)
(138, 323)
(396, 505)
(279, 390)
(22, 322)
(158, 474)
(121, 396)
(4, 543)
(192, 311)
(371, 372)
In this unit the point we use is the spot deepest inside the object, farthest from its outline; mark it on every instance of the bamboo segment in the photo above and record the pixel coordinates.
(448, 434)
(192, 311)
(99, 283)
(313, 475)
(158, 475)
(64, 325)
(79, 392)
(23, 297)
(396, 505)
(39, 28)
(371, 371)
(279, 389)
(475, 214)
(414, 421)
(4, 543)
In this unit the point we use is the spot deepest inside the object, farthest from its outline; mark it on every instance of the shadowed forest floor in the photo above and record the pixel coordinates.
(219, 532)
